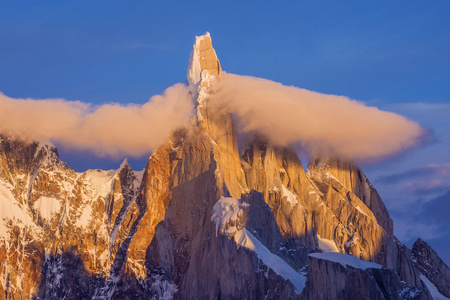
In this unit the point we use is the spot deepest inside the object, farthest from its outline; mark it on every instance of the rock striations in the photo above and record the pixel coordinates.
(203, 220)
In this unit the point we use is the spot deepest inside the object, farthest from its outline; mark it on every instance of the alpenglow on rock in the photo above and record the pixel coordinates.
(203, 220)
(204, 67)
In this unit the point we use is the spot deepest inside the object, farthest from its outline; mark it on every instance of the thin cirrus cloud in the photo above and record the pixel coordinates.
(322, 124)
(110, 129)
(424, 181)
(428, 171)
(426, 188)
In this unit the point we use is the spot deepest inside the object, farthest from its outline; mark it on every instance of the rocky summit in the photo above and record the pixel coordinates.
(203, 220)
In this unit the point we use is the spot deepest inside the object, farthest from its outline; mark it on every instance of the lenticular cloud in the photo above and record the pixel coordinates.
(110, 129)
(322, 124)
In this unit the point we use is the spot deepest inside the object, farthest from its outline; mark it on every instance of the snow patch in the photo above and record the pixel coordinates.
(290, 197)
(361, 211)
(433, 289)
(330, 176)
(100, 180)
(99, 177)
(85, 217)
(10, 210)
(194, 70)
(327, 245)
(409, 292)
(346, 260)
(47, 207)
(226, 214)
(244, 238)
(162, 288)
(352, 241)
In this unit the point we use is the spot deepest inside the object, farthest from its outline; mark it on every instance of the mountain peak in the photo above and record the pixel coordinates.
(203, 68)
(124, 164)
(431, 266)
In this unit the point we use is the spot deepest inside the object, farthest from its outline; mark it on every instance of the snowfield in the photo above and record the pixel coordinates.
(226, 213)
(346, 260)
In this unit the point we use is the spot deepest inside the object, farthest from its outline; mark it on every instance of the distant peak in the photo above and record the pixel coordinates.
(420, 242)
(124, 164)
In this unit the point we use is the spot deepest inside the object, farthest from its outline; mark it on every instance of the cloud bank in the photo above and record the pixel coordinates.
(110, 129)
(322, 124)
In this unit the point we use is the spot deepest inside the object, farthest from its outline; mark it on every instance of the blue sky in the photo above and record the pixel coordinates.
(393, 55)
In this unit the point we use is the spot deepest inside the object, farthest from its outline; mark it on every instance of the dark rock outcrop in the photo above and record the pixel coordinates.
(428, 262)
(333, 280)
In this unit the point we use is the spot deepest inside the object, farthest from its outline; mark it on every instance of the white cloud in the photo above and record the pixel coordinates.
(323, 124)
(111, 129)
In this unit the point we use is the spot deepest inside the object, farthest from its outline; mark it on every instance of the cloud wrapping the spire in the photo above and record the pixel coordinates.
(322, 124)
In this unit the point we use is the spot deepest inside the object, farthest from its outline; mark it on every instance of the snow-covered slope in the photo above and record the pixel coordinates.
(346, 260)
(47, 208)
(226, 215)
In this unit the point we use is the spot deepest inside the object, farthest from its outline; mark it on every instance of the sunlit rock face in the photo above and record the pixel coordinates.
(353, 178)
(203, 62)
(203, 220)
(203, 70)
(355, 228)
(278, 173)
(55, 214)
(317, 202)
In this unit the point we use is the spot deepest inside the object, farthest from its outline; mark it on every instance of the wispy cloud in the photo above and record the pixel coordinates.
(425, 188)
(427, 219)
(427, 171)
(438, 210)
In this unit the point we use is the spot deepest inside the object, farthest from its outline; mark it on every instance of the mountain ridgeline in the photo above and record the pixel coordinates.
(203, 221)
